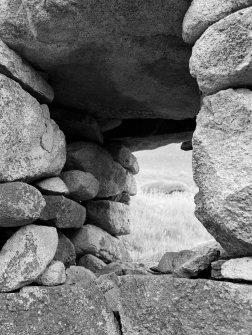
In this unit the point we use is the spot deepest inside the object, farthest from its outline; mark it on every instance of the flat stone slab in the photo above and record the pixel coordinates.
(63, 310)
(155, 305)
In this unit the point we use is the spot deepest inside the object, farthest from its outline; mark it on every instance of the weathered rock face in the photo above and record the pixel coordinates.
(163, 305)
(63, 213)
(238, 269)
(32, 146)
(93, 240)
(13, 66)
(128, 70)
(78, 275)
(53, 275)
(222, 168)
(82, 185)
(65, 310)
(202, 14)
(222, 58)
(20, 204)
(111, 216)
(92, 158)
(26, 255)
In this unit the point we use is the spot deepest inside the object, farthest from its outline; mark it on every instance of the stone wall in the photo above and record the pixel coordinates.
(82, 85)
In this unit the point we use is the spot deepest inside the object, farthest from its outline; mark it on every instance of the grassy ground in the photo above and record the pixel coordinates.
(164, 222)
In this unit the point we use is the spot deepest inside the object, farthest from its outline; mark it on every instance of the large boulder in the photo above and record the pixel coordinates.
(20, 204)
(222, 58)
(202, 14)
(25, 256)
(63, 310)
(95, 241)
(90, 157)
(13, 66)
(113, 59)
(222, 168)
(164, 305)
(114, 217)
(63, 213)
(32, 145)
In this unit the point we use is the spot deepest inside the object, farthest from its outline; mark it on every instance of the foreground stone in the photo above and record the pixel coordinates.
(25, 256)
(82, 185)
(113, 217)
(223, 203)
(123, 155)
(93, 240)
(199, 261)
(62, 212)
(13, 66)
(65, 252)
(163, 305)
(229, 39)
(90, 157)
(52, 186)
(172, 260)
(202, 14)
(239, 269)
(63, 310)
(53, 275)
(32, 145)
(20, 204)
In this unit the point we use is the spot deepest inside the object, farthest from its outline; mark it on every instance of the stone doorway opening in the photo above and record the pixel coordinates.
(163, 217)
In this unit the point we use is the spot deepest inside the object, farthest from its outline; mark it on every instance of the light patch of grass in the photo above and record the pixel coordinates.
(164, 223)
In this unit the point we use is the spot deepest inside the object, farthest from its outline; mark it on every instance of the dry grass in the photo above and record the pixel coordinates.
(164, 223)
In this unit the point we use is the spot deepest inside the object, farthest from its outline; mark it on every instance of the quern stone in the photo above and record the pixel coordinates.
(114, 217)
(25, 256)
(222, 169)
(32, 145)
(20, 204)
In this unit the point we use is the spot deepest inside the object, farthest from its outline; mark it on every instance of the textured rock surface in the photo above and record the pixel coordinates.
(237, 269)
(63, 310)
(82, 185)
(65, 252)
(77, 126)
(123, 155)
(222, 58)
(25, 256)
(200, 261)
(163, 305)
(91, 263)
(20, 204)
(110, 58)
(90, 157)
(32, 146)
(130, 184)
(172, 260)
(125, 268)
(93, 240)
(202, 14)
(62, 212)
(78, 275)
(53, 275)
(52, 186)
(222, 169)
(114, 217)
(13, 66)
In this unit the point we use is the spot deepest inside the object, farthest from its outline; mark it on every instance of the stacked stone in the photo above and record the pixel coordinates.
(77, 195)
(222, 152)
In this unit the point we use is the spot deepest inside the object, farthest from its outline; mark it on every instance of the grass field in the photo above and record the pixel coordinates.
(164, 222)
